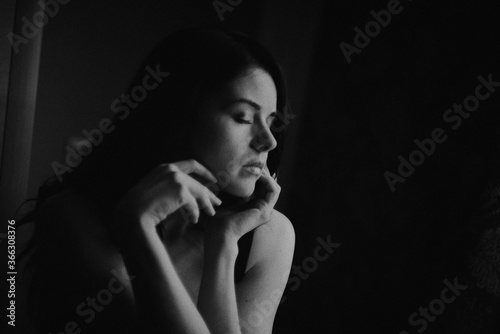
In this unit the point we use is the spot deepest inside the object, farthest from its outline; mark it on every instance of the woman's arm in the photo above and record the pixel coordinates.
(75, 240)
(162, 301)
(226, 308)
(259, 293)
(249, 306)
(217, 296)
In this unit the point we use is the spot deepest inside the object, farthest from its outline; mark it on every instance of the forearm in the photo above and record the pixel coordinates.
(217, 296)
(162, 301)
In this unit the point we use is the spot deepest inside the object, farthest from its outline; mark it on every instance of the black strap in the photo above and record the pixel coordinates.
(244, 245)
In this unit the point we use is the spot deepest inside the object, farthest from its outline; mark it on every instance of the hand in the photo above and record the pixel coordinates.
(167, 188)
(257, 211)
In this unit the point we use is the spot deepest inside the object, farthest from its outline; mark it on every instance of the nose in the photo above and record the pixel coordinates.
(264, 140)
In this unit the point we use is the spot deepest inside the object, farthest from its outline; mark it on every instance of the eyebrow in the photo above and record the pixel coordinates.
(253, 104)
(250, 102)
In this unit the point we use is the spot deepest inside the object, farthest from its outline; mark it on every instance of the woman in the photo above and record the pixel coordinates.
(168, 225)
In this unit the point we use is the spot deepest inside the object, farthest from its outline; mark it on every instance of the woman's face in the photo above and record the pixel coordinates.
(232, 131)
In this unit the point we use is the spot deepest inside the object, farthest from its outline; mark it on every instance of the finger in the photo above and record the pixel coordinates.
(266, 169)
(206, 205)
(193, 166)
(190, 211)
(270, 189)
(198, 188)
(273, 188)
(213, 188)
(214, 199)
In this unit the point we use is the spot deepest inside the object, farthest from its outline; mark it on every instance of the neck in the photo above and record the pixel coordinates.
(230, 201)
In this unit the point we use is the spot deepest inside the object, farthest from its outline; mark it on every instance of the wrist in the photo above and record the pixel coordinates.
(128, 227)
(225, 244)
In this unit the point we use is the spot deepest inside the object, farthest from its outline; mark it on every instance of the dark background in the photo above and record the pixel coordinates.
(353, 120)
(397, 247)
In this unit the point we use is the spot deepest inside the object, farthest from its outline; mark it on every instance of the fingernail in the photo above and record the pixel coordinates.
(193, 218)
(219, 202)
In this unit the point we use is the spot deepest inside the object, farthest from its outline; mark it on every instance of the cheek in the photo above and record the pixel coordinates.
(226, 153)
(219, 145)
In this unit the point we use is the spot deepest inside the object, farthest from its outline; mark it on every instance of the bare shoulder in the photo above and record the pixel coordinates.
(278, 232)
(66, 195)
(273, 241)
(66, 206)
(73, 241)
(71, 224)
(67, 203)
(74, 220)
(279, 226)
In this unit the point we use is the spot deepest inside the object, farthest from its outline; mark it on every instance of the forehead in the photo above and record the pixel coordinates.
(257, 86)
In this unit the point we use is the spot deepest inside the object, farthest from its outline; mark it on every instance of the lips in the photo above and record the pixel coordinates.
(257, 163)
(254, 167)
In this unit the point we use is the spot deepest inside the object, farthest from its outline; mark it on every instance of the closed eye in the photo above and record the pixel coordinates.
(243, 121)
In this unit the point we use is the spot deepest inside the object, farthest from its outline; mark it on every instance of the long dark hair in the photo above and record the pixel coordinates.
(198, 61)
